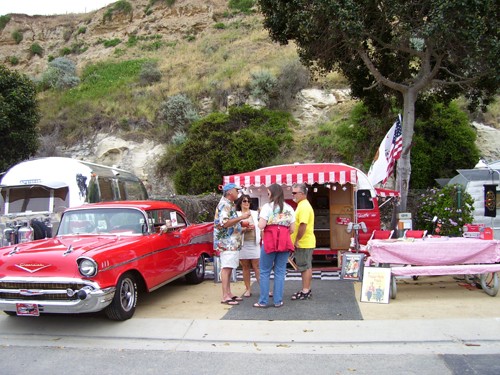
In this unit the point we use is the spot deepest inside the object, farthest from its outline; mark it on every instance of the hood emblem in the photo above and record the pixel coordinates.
(32, 267)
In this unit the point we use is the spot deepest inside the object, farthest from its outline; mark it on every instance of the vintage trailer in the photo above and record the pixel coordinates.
(341, 196)
(35, 192)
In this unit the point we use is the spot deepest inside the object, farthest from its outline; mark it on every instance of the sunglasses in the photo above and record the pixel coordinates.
(296, 192)
(245, 201)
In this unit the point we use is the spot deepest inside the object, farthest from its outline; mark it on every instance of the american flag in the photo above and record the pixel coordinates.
(396, 148)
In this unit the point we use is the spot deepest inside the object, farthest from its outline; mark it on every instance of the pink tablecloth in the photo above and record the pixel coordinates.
(435, 251)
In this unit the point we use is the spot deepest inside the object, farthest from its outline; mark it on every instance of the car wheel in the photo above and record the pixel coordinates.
(123, 305)
(197, 275)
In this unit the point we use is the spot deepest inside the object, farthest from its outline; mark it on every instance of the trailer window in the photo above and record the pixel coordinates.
(35, 199)
(364, 201)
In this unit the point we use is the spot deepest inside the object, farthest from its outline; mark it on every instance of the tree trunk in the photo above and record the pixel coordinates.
(404, 164)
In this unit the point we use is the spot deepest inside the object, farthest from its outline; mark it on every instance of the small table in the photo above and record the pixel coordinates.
(439, 256)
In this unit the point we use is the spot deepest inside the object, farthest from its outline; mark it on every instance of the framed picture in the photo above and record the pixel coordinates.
(352, 266)
(376, 285)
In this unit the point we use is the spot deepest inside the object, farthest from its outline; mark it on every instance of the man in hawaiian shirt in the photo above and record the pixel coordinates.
(228, 239)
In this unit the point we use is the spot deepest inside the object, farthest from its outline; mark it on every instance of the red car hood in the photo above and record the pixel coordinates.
(55, 257)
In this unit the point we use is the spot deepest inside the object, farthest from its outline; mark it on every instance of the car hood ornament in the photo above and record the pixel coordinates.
(32, 267)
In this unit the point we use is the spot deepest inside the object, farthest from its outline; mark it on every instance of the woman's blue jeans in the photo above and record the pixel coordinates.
(267, 261)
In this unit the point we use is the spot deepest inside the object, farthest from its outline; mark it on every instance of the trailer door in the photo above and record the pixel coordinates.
(341, 214)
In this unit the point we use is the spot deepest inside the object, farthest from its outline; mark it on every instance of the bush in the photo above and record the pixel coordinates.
(262, 85)
(219, 26)
(452, 205)
(81, 30)
(4, 20)
(149, 73)
(111, 42)
(36, 49)
(244, 6)
(444, 141)
(220, 144)
(177, 112)
(120, 6)
(17, 36)
(60, 74)
(292, 78)
(13, 60)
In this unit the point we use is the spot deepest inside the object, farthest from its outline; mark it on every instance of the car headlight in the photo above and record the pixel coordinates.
(87, 267)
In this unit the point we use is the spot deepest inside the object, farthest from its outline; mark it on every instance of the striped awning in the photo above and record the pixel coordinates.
(311, 173)
(387, 192)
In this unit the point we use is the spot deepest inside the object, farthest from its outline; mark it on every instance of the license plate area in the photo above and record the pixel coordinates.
(27, 309)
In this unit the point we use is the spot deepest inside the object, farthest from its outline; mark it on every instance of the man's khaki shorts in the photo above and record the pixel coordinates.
(303, 259)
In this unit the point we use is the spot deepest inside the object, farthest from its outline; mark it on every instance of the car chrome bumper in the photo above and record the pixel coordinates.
(54, 295)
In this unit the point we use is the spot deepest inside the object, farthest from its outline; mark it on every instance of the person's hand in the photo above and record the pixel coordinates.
(251, 227)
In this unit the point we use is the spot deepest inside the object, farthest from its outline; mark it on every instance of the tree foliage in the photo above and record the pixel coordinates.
(221, 144)
(449, 47)
(444, 142)
(19, 116)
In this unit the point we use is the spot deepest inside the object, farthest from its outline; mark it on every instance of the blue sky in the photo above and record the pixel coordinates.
(51, 7)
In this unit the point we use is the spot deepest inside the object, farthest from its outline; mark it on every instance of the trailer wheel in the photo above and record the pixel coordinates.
(489, 283)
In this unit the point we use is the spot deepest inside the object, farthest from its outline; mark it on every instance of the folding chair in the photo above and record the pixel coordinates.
(409, 233)
(381, 234)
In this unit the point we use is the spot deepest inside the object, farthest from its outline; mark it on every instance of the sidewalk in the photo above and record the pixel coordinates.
(431, 316)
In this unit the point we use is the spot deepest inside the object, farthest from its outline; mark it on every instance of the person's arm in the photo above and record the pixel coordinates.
(300, 233)
(232, 222)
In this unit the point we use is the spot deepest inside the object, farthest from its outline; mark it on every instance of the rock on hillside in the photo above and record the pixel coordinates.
(85, 33)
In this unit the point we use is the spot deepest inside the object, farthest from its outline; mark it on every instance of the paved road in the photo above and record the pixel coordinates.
(53, 344)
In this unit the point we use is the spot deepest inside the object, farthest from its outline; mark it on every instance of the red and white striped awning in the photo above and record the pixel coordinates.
(387, 192)
(289, 174)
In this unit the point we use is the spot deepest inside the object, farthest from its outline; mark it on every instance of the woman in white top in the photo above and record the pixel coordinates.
(250, 251)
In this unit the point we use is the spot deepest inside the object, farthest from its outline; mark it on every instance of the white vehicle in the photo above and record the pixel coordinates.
(35, 192)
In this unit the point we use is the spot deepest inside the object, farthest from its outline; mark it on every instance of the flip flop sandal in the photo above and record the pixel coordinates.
(247, 294)
(258, 305)
(236, 298)
(230, 302)
(278, 304)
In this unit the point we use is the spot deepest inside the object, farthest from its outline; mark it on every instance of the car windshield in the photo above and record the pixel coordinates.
(102, 220)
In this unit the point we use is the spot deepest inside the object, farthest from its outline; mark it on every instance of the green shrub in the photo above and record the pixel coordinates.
(292, 78)
(444, 141)
(64, 51)
(149, 73)
(17, 36)
(220, 144)
(132, 41)
(81, 30)
(50, 58)
(60, 74)
(262, 85)
(4, 20)
(121, 6)
(36, 49)
(244, 6)
(111, 42)
(13, 60)
(154, 46)
(177, 113)
(452, 205)
(219, 26)
(354, 140)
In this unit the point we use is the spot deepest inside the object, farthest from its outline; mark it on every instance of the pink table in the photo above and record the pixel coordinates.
(436, 256)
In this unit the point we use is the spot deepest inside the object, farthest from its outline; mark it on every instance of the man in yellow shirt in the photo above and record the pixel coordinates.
(303, 239)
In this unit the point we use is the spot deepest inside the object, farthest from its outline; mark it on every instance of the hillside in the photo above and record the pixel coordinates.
(201, 47)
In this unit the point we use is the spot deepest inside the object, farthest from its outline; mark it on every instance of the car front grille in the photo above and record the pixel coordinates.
(38, 291)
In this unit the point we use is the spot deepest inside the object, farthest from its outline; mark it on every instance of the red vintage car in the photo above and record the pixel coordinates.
(102, 256)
